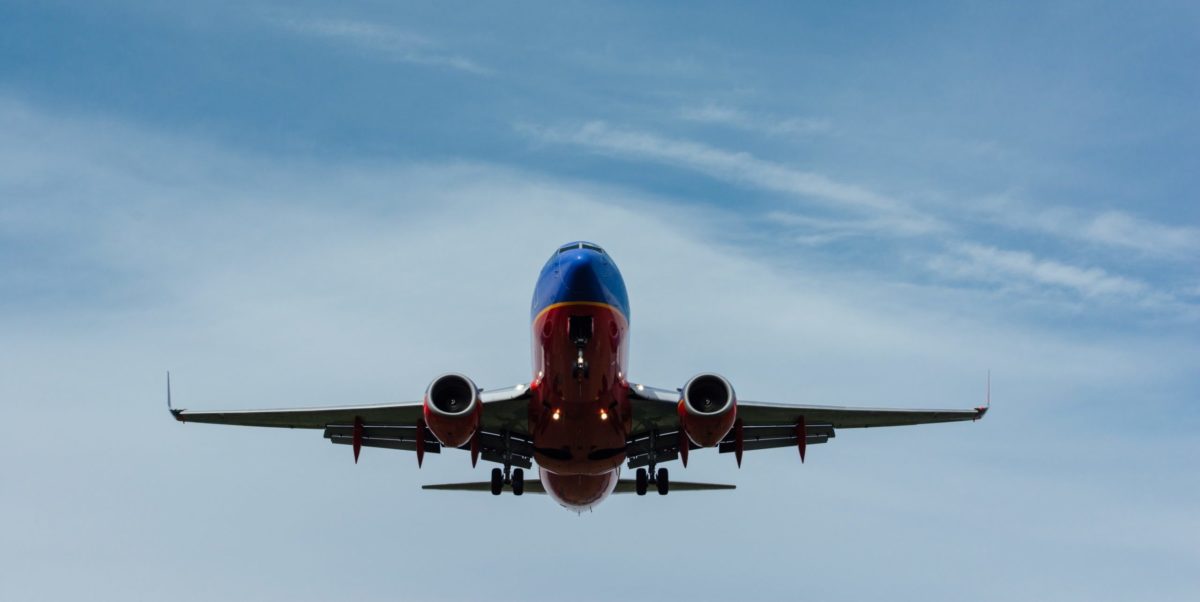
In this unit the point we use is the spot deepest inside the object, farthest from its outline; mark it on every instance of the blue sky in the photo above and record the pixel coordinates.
(298, 204)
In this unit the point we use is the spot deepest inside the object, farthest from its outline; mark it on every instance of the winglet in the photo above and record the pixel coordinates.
(987, 404)
(171, 408)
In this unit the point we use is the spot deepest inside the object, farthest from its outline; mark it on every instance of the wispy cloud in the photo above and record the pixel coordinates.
(1115, 229)
(843, 210)
(382, 40)
(991, 263)
(741, 168)
(764, 124)
(814, 231)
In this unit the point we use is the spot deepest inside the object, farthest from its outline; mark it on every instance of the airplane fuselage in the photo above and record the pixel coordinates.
(579, 412)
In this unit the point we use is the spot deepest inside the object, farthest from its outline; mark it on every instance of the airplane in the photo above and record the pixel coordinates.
(579, 419)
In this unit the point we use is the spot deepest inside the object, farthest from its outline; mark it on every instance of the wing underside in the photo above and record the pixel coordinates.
(657, 437)
(504, 430)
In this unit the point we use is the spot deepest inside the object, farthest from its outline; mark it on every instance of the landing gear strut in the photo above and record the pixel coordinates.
(508, 476)
(660, 478)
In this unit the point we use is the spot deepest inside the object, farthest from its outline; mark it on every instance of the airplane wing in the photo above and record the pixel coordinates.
(393, 426)
(763, 425)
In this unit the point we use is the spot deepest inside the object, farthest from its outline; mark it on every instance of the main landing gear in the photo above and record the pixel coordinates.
(514, 478)
(516, 481)
(660, 478)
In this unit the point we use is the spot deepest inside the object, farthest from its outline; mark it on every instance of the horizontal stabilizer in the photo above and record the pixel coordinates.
(630, 486)
(531, 486)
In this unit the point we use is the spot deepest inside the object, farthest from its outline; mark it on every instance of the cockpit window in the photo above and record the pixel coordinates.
(580, 245)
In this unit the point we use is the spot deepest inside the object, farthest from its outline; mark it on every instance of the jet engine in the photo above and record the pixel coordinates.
(708, 409)
(452, 409)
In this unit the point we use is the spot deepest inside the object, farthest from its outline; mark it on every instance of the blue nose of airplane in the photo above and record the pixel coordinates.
(580, 272)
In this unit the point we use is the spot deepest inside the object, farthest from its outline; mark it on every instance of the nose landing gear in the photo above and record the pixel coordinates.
(579, 330)
(580, 369)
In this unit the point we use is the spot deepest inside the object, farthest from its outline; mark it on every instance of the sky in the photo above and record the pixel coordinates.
(871, 204)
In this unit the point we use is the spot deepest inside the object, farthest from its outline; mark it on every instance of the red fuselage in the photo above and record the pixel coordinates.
(579, 413)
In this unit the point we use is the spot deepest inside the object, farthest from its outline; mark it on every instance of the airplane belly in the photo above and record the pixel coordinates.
(580, 411)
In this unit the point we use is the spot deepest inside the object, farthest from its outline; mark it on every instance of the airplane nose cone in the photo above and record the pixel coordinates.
(580, 272)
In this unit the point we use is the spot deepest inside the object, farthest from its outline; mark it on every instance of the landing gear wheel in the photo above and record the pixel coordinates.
(518, 481)
(642, 481)
(497, 481)
(662, 482)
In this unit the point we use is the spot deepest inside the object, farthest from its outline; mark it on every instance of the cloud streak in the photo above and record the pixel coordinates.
(1111, 229)
(993, 264)
(381, 40)
(741, 168)
(763, 124)
(863, 213)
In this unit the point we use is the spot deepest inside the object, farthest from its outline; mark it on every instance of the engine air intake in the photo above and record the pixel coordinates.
(707, 410)
(452, 395)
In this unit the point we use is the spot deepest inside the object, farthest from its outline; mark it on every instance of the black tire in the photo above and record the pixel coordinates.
(518, 481)
(642, 482)
(497, 481)
(663, 482)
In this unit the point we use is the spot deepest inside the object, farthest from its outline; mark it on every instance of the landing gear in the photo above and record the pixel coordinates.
(518, 481)
(660, 478)
(579, 370)
(579, 330)
(508, 476)
(497, 481)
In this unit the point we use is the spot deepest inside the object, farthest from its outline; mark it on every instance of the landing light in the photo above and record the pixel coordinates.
(603, 415)
(556, 415)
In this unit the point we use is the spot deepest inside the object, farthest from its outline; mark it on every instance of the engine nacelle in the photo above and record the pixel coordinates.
(452, 409)
(708, 409)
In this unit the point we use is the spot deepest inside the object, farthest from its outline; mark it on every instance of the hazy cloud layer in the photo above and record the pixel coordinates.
(257, 291)
(288, 205)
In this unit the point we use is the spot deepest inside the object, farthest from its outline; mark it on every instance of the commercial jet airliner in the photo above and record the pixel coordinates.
(579, 418)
